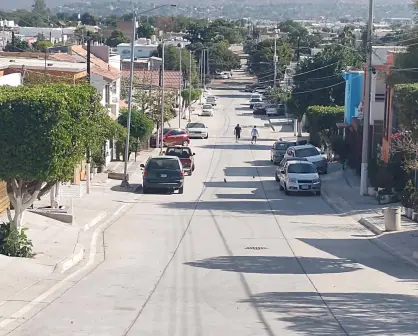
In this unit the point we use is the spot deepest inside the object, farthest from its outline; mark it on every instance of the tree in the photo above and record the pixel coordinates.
(20, 45)
(261, 59)
(186, 94)
(145, 30)
(318, 81)
(116, 37)
(88, 20)
(322, 122)
(42, 46)
(346, 36)
(141, 124)
(57, 130)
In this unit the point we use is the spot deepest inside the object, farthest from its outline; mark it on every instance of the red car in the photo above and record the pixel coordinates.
(172, 137)
(185, 155)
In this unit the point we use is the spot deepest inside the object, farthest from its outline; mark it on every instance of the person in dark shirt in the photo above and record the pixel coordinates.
(237, 132)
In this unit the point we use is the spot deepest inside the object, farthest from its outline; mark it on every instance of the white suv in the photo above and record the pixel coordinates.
(311, 153)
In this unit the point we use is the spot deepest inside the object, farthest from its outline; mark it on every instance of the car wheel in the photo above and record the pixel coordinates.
(181, 190)
(185, 143)
(326, 171)
(285, 190)
(145, 190)
(318, 193)
(207, 136)
(193, 167)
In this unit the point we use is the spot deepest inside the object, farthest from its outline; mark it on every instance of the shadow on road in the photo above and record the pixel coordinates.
(238, 146)
(372, 314)
(276, 265)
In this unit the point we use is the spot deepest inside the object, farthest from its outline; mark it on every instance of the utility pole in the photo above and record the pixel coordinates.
(13, 41)
(162, 102)
(204, 69)
(367, 105)
(88, 163)
(275, 57)
(207, 61)
(190, 86)
(125, 182)
(181, 85)
(200, 75)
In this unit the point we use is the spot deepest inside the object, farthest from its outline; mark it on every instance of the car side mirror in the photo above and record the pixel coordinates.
(194, 153)
(164, 152)
(142, 166)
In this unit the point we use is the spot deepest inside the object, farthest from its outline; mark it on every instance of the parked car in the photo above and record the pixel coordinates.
(197, 130)
(278, 150)
(185, 155)
(259, 108)
(163, 173)
(207, 110)
(297, 176)
(250, 87)
(172, 137)
(254, 100)
(285, 160)
(312, 154)
(211, 100)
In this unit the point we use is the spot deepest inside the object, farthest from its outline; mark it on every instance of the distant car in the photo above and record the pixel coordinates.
(185, 155)
(255, 100)
(259, 108)
(172, 137)
(312, 154)
(225, 75)
(197, 130)
(297, 176)
(249, 87)
(278, 150)
(163, 173)
(207, 110)
(211, 100)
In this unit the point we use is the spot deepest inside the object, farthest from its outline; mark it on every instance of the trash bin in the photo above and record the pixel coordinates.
(392, 218)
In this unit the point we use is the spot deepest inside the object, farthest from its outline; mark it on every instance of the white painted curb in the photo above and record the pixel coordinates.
(72, 260)
(95, 220)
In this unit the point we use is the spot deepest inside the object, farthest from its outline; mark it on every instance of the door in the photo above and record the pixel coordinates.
(170, 138)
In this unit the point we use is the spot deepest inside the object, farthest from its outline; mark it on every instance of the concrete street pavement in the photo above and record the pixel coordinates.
(231, 256)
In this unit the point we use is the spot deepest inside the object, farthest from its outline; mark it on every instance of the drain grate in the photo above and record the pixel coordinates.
(256, 248)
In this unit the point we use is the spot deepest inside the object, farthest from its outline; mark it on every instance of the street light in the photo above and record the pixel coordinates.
(125, 182)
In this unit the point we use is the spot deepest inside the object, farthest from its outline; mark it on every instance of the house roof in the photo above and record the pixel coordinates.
(99, 67)
(35, 63)
(172, 78)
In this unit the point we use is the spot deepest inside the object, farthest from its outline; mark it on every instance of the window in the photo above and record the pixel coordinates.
(207, 107)
(195, 125)
(301, 168)
(107, 94)
(183, 153)
(305, 152)
(282, 145)
(163, 163)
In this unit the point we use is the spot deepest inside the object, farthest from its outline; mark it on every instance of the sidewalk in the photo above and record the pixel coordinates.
(341, 190)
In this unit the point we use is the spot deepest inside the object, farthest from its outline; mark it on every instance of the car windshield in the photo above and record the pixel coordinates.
(258, 99)
(166, 130)
(195, 125)
(182, 153)
(207, 106)
(163, 163)
(301, 168)
(305, 152)
(282, 145)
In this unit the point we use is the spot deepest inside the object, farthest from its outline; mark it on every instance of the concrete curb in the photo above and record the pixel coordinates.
(72, 260)
(368, 225)
(95, 220)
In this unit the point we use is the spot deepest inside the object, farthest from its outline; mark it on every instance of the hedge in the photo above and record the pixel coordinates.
(322, 120)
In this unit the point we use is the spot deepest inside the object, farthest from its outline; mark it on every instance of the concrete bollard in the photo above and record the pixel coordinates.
(392, 218)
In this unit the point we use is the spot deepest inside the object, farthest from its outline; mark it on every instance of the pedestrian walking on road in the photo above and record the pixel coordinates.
(237, 132)
(254, 135)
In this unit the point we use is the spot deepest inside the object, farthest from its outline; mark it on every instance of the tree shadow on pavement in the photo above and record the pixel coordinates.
(242, 145)
(371, 314)
(275, 265)
(367, 253)
(254, 171)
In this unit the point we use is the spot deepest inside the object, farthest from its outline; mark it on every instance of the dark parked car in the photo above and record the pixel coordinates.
(185, 155)
(279, 150)
(163, 173)
(172, 137)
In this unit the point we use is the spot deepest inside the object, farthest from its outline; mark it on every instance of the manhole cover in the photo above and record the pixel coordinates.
(256, 248)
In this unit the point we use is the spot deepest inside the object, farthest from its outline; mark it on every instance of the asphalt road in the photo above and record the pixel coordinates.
(234, 256)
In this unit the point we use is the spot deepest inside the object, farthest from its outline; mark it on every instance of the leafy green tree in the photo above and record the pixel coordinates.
(145, 30)
(116, 37)
(346, 36)
(186, 94)
(141, 124)
(42, 46)
(318, 81)
(57, 131)
(20, 45)
(88, 20)
(261, 59)
(322, 122)
(221, 58)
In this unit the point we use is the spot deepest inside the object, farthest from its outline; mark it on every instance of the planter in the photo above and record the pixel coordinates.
(101, 169)
(94, 170)
(371, 191)
(387, 198)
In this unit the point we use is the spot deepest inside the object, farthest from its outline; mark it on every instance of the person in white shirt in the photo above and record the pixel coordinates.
(254, 135)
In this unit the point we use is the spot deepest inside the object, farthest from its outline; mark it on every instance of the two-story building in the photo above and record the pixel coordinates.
(143, 48)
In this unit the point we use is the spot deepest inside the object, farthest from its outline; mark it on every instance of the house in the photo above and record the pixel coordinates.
(143, 48)
(152, 78)
(149, 63)
(353, 94)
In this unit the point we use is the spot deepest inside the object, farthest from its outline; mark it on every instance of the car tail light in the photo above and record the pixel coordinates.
(182, 174)
(145, 173)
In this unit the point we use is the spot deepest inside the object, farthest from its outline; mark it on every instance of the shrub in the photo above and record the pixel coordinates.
(14, 243)
(341, 147)
(408, 196)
